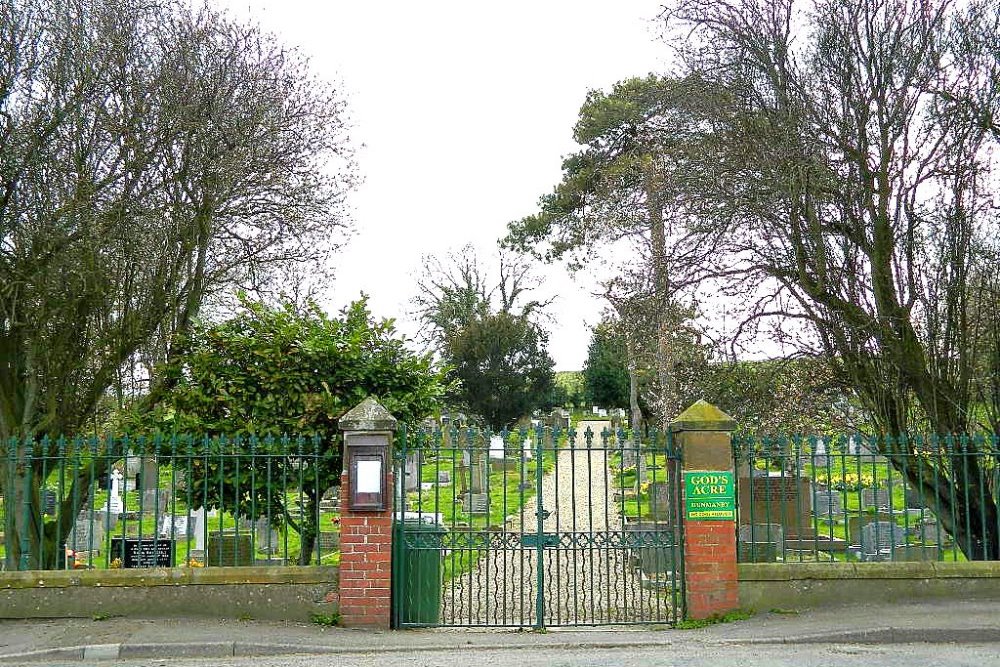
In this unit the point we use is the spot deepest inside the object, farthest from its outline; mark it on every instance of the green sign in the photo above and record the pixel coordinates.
(709, 495)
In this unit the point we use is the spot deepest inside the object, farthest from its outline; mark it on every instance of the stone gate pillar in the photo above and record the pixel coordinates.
(708, 510)
(366, 491)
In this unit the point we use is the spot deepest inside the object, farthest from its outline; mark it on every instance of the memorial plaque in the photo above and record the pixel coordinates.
(146, 552)
(709, 496)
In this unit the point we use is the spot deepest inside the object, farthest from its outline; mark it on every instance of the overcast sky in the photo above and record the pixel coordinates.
(465, 109)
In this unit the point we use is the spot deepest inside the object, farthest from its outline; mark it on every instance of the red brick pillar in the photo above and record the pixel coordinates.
(365, 531)
(702, 432)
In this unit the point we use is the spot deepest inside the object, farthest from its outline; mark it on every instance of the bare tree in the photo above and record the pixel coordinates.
(453, 290)
(842, 169)
(153, 159)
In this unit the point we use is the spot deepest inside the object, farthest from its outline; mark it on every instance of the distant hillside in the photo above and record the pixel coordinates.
(572, 383)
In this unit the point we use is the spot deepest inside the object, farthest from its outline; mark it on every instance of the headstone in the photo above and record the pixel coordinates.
(778, 498)
(444, 477)
(87, 534)
(559, 419)
(477, 503)
(155, 501)
(875, 498)
(827, 504)
(879, 538)
(497, 448)
(659, 501)
(595, 410)
(133, 464)
(49, 499)
(602, 413)
(177, 526)
(108, 519)
(651, 543)
(527, 450)
(856, 523)
(761, 542)
(630, 454)
(197, 527)
(463, 479)
(819, 457)
(133, 552)
(115, 505)
(412, 473)
(149, 475)
(928, 530)
(229, 549)
(641, 471)
(265, 536)
(480, 475)
(328, 541)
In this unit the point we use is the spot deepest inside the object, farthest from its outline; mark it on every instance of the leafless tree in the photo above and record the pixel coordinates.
(153, 159)
(843, 169)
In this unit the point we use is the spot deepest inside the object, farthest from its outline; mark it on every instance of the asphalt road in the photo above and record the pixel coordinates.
(693, 655)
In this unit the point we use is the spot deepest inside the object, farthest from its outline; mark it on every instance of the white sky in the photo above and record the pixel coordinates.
(465, 109)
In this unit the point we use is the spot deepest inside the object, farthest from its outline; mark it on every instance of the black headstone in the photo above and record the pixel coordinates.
(146, 552)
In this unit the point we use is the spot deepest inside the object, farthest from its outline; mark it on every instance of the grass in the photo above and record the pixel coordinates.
(328, 620)
(728, 617)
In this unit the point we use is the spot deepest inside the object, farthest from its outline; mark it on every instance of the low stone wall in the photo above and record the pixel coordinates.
(765, 586)
(272, 593)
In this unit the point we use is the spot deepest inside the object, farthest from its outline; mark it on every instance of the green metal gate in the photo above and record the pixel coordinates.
(536, 528)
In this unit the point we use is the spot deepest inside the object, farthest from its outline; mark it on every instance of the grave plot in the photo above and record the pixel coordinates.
(823, 499)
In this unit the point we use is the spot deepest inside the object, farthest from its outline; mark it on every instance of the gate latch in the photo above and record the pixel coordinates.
(543, 513)
(543, 540)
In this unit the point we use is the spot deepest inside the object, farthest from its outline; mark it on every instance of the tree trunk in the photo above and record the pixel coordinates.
(308, 530)
(633, 389)
(661, 288)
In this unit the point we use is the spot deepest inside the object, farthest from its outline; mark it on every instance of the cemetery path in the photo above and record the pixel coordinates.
(586, 579)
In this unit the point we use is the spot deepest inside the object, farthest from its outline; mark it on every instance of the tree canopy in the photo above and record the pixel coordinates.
(501, 366)
(487, 331)
(605, 371)
(286, 370)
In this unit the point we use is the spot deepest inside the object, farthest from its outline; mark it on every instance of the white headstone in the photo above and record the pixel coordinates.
(196, 528)
(496, 447)
(115, 505)
(528, 453)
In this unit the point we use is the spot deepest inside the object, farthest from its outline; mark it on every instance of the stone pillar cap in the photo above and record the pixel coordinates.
(368, 415)
(703, 416)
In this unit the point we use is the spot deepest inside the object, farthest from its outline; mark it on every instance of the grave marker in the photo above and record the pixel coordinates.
(146, 552)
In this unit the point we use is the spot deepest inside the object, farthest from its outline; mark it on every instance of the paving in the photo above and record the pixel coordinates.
(48, 640)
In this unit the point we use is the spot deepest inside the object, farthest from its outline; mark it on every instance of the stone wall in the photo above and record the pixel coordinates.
(765, 586)
(270, 593)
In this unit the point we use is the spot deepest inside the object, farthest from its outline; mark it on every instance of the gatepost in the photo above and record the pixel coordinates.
(366, 516)
(703, 435)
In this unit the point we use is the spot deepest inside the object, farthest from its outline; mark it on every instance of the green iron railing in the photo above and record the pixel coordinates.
(868, 498)
(101, 503)
(533, 528)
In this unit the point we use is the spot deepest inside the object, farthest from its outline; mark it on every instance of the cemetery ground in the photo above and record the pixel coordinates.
(954, 632)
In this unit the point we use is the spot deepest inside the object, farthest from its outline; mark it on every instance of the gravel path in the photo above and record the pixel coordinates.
(588, 578)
